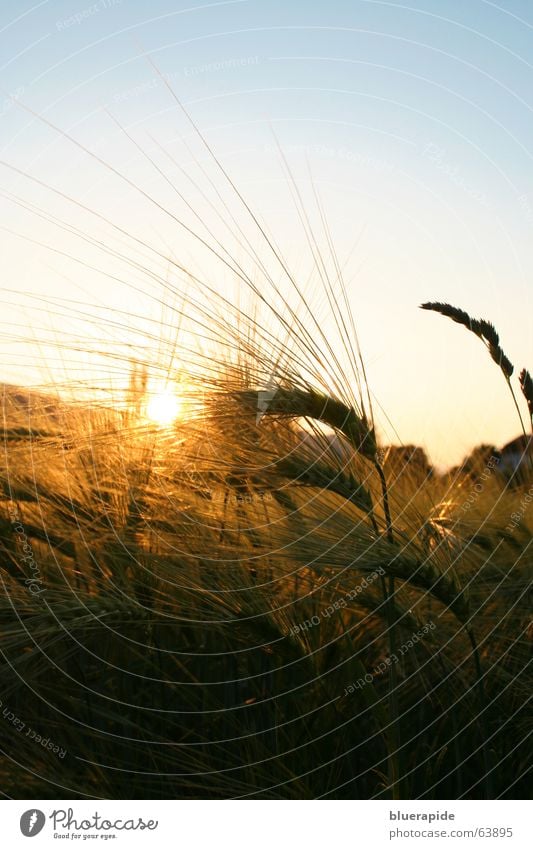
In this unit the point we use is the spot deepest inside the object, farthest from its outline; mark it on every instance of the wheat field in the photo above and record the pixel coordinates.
(255, 604)
(260, 599)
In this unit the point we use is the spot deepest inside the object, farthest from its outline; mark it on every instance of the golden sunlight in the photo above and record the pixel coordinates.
(163, 407)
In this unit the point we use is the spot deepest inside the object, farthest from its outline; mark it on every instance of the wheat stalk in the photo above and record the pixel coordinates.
(526, 385)
(321, 476)
(484, 330)
(488, 334)
(312, 404)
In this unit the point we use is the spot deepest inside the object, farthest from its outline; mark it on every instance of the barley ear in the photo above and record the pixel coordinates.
(313, 404)
(488, 334)
(457, 315)
(321, 476)
(484, 330)
(526, 385)
(492, 340)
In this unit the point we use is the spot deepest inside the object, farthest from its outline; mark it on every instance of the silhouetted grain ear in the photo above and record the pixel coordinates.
(299, 470)
(312, 404)
(460, 316)
(492, 340)
(484, 330)
(526, 385)
(325, 554)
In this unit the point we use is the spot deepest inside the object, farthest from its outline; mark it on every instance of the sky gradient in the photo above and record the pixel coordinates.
(415, 121)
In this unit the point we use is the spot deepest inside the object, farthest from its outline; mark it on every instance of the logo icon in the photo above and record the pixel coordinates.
(32, 822)
(264, 397)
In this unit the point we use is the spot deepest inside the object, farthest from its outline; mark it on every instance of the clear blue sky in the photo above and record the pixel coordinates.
(417, 121)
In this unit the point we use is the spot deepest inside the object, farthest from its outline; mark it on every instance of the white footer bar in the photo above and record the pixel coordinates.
(266, 825)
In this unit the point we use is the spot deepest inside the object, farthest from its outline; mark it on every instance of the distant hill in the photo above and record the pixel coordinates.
(512, 463)
(27, 412)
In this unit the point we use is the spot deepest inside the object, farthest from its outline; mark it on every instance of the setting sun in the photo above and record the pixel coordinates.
(163, 407)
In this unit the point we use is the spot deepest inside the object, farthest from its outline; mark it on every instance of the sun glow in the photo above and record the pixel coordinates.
(163, 407)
